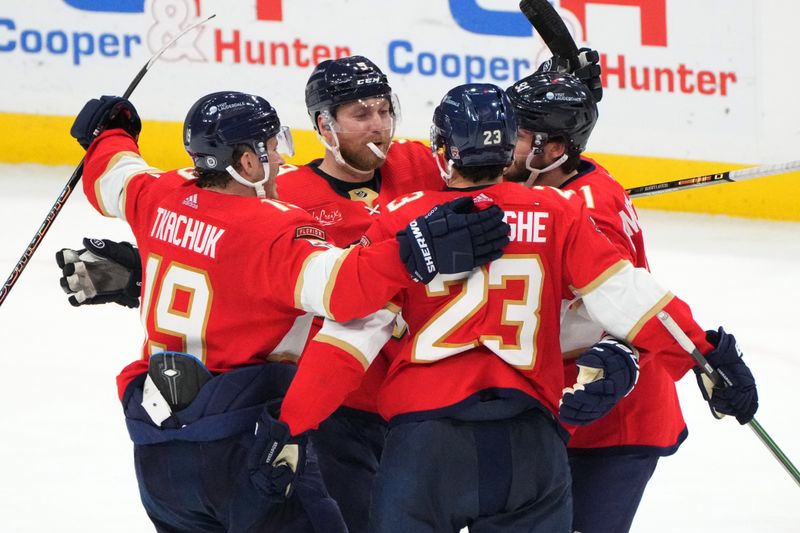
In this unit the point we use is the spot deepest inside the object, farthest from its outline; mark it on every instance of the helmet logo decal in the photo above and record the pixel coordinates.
(211, 162)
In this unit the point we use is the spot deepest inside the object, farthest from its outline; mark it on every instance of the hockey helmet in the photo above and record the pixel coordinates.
(475, 126)
(220, 121)
(555, 104)
(337, 81)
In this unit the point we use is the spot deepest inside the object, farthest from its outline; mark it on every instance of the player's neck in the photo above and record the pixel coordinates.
(460, 182)
(344, 173)
(554, 178)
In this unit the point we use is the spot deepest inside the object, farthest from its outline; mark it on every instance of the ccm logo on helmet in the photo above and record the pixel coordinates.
(365, 81)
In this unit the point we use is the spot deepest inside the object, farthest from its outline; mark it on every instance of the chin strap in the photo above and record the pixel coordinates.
(446, 174)
(257, 185)
(535, 172)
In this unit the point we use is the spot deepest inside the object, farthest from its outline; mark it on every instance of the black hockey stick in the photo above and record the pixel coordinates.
(546, 20)
(76, 176)
(718, 378)
(711, 179)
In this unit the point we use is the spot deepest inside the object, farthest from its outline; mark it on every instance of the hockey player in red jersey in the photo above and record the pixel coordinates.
(472, 397)
(354, 112)
(613, 458)
(205, 378)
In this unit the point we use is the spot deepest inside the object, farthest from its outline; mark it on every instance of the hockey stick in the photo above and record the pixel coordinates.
(546, 20)
(718, 377)
(76, 176)
(711, 179)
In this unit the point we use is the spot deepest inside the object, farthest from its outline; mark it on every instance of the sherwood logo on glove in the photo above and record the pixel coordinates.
(423, 246)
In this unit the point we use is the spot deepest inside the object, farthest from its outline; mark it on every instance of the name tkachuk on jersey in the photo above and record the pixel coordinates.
(186, 232)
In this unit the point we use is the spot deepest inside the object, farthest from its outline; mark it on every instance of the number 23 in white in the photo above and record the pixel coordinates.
(431, 342)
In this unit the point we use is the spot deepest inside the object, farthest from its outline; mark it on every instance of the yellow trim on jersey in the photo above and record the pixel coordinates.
(326, 297)
(301, 278)
(602, 278)
(648, 315)
(283, 357)
(394, 308)
(344, 346)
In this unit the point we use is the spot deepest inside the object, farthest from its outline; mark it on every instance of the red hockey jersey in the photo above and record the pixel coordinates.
(650, 415)
(227, 278)
(345, 211)
(498, 326)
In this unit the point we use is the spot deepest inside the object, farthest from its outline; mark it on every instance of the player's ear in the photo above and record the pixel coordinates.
(556, 148)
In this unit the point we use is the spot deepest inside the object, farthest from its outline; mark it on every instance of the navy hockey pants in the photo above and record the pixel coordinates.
(201, 487)
(494, 476)
(349, 445)
(607, 489)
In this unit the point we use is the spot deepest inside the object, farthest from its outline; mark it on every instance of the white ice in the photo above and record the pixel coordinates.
(66, 461)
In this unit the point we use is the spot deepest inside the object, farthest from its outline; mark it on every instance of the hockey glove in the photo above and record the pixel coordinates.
(740, 398)
(452, 238)
(276, 457)
(587, 70)
(104, 271)
(607, 372)
(105, 113)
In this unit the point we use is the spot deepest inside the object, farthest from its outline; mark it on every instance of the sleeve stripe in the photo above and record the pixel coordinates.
(625, 301)
(110, 187)
(602, 278)
(298, 288)
(326, 298)
(344, 346)
(661, 304)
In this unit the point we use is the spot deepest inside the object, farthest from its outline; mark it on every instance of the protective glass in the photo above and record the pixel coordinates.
(285, 141)
(380, 112)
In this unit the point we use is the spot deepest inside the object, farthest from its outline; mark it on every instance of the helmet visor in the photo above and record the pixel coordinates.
(375, 113)
(285, 141)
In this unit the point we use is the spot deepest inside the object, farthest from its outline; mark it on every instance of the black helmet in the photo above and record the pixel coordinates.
(218, 122)
(336, 81)
(557, 104)
(475, 125)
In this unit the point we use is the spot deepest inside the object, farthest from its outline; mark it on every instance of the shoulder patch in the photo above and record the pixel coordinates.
(310, 232)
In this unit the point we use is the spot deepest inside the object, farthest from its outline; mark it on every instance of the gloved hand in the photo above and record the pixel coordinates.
(104, 271)
(740, 398)
(607, 372)
(587, 70)
(276, 457)
(107, 112)
(452, 238)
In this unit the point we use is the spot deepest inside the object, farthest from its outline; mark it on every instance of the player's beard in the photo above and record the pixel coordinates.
(517, 172)
(360, 157)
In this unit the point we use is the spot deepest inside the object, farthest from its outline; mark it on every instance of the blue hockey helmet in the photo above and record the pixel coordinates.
(556, 105)
(475, 126)
(220, 121)
(337, 81)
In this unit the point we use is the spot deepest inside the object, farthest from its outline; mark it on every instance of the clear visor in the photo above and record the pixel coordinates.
(285, 142)
(375, 113)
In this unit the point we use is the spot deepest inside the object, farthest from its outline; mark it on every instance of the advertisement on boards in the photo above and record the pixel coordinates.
(673, 88)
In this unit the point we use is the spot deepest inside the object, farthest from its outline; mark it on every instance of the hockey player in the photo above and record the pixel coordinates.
(206, 376)
(471, 399)
(354, 112)
(613, 458)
